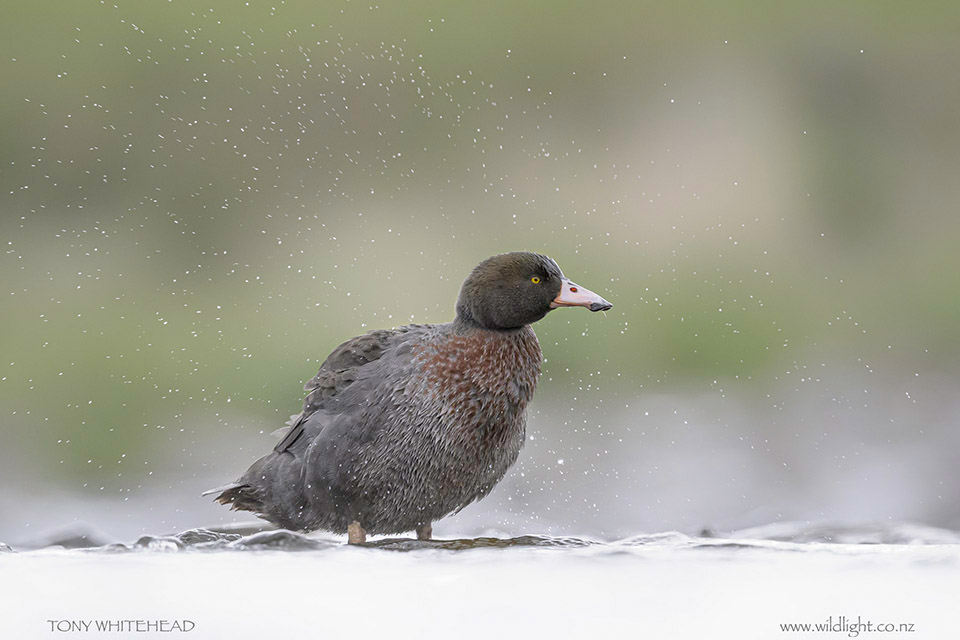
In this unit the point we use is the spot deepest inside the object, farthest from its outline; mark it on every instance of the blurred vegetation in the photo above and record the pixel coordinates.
(200, 200)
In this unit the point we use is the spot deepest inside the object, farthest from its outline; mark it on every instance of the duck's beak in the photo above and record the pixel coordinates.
(573, 295)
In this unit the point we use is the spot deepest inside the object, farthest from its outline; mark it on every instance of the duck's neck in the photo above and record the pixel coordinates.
(465, 322)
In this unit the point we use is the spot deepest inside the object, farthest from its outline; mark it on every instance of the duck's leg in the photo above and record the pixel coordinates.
(425, 532)
(356, 534)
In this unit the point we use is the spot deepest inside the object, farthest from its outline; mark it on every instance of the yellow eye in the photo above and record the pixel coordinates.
(535, 280)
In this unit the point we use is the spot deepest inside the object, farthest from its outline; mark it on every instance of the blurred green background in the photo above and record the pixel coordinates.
(201, 199)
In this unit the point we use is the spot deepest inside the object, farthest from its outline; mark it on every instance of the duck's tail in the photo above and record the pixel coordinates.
(240, 497)
(272, 488)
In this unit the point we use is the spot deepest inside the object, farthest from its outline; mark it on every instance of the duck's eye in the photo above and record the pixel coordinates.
(535, 280)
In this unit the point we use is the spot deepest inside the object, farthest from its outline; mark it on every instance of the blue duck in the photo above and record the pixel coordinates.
(402, 427)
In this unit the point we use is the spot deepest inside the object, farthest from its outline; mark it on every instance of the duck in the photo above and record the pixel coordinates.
(402, 427)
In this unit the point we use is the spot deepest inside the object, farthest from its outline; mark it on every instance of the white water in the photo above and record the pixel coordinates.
(652, 586)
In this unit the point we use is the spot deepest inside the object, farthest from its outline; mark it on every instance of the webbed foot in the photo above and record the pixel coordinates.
(356, 534)
(425, 532)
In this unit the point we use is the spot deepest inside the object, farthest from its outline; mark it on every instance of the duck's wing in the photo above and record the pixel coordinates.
(338, 372)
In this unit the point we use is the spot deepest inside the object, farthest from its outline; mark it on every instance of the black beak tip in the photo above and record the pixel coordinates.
(600, 306)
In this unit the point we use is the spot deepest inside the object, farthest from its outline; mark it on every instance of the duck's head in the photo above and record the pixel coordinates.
(511, 290)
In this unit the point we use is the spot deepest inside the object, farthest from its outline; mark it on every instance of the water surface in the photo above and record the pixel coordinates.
(253, 584)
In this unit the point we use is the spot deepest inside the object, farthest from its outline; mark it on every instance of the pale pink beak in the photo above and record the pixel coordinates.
(573, 295)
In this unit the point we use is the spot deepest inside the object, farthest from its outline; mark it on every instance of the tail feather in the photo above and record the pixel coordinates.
(272, 488)
(240, 497)
(220, 489)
